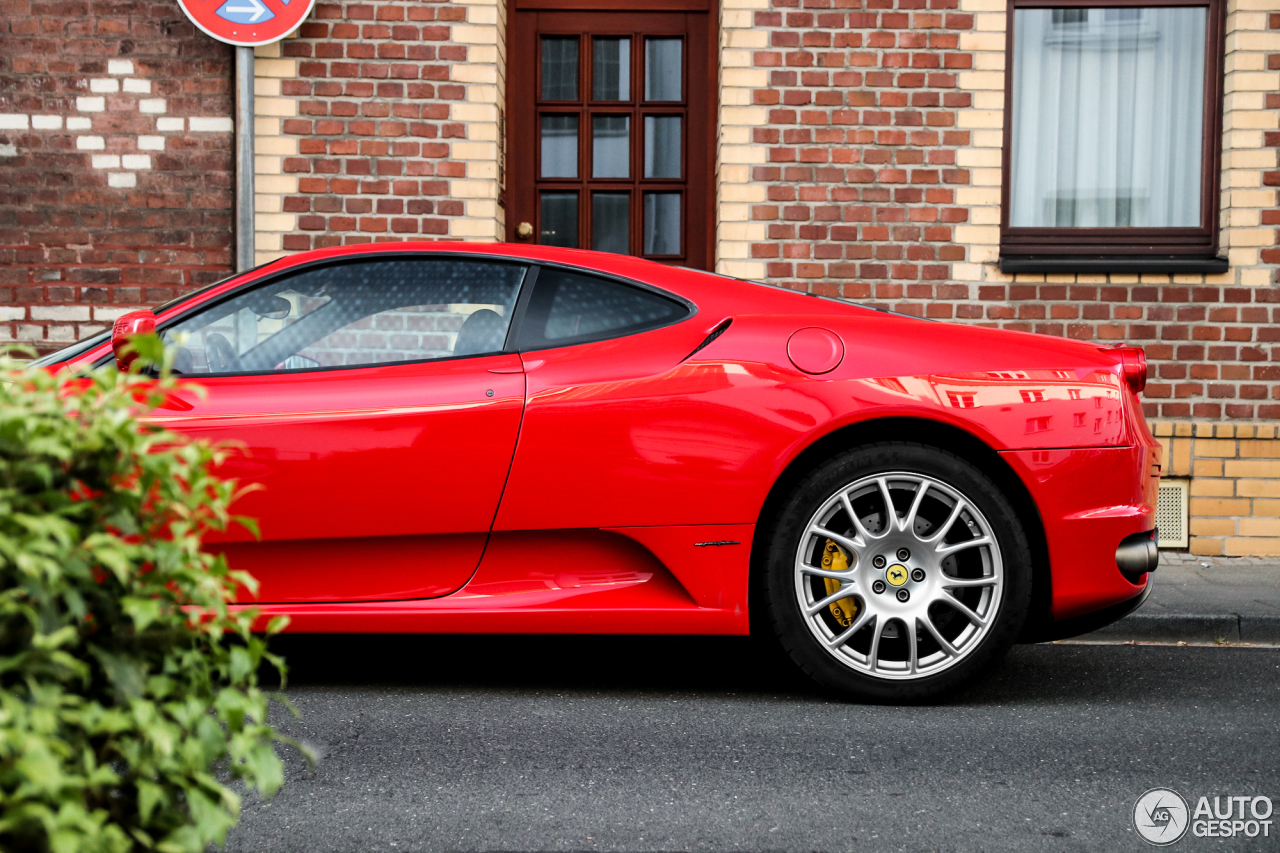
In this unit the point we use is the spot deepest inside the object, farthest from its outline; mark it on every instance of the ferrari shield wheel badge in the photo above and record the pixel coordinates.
(897, 575)
(247, 23)
(1160, 816)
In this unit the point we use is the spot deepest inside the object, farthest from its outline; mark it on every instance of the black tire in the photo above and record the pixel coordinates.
(793, 628)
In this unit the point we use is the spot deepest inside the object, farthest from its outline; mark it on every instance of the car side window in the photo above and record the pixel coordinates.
(353, 313)
(569, 307)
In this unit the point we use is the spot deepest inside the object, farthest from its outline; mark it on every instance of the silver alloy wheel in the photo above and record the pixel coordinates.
(952, 575)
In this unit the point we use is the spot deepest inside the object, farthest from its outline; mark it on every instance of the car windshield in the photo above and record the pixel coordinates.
(353, 313)
(79, 348)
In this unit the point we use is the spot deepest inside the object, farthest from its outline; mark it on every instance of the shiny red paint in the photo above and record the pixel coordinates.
(400, 466)
(125, 327)
(616, 486)
(815, 351)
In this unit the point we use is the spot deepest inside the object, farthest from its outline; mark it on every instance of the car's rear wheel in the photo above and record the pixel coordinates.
(897, 572)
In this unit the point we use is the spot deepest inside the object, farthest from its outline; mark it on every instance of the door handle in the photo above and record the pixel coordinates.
(506, 369)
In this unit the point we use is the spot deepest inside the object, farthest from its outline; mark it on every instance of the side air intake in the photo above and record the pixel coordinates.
(715, 333)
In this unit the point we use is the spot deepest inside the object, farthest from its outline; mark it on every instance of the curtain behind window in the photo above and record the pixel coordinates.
(1108, 115)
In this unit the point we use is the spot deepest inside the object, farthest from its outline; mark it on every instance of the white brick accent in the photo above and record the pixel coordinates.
(104, 85)
(136, 161)
(79, 123)
(59, 312)
(119, 66)
(169, 125)
(151, 143)
(13, 122)
(211, 124)
(122, 179)
(106, 161)
(91, 143)
(152, 105)
(91, 105)
(142, 87)
(46, 122)
(110, 315)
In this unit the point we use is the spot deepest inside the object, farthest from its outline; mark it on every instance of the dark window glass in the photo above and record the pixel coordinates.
(350, 314)
(1064, 17)
(559, 68)
(611, 70)
(611, 146)
(662, 223)
(559, 146)
(569, 307)
(663, 69)
(662, 138)
(559, 219)
(611, 222)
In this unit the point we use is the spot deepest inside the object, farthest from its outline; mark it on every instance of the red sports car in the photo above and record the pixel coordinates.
(470, 438)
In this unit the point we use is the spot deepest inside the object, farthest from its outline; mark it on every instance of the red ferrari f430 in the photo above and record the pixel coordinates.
(468, 438)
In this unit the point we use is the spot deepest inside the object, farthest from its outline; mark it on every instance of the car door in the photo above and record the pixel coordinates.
(618, 429)
(372, 415)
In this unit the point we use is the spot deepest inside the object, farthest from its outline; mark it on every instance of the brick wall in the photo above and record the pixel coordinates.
(1234, 473)
(1271, 141)
(115, 163)
(379, 122)
(862, 138)
(861, 143)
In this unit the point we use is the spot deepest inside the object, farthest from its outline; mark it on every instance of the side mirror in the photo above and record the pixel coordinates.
(126, 328)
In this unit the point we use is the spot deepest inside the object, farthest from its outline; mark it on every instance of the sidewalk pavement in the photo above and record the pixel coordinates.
(1204, 600)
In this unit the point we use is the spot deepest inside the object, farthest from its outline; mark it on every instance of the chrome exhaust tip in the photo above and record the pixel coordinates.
(1138, 554)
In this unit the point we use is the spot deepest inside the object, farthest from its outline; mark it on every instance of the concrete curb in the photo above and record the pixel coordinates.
(1190, 628)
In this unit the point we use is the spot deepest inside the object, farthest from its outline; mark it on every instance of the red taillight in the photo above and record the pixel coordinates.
(1134, 363)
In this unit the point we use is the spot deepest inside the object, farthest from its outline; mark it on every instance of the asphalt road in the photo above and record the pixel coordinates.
(684, 744)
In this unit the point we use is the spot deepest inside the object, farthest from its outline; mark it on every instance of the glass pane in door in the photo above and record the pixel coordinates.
(611, 222)
(559, 146)
(662, 223)
(611, 146)
(662, 146)
(559, 219)
(662, 69)
(611, 69)
(559, 68)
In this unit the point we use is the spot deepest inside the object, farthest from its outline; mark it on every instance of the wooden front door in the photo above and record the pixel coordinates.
(610, 128)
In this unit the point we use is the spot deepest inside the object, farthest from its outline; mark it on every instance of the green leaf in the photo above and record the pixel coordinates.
(150, 796)
(127, 683)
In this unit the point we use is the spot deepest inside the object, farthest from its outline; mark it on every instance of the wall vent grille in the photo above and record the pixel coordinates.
(1171, 513)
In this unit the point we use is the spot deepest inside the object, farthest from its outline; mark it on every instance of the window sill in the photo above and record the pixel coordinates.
(1120, 264)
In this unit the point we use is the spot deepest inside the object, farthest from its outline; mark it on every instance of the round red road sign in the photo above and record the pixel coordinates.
(247, 23)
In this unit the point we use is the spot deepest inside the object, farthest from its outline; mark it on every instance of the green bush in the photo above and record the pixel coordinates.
(129, 695)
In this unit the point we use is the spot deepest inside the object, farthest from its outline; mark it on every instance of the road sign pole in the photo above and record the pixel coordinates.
(245, 24)
(244, 159)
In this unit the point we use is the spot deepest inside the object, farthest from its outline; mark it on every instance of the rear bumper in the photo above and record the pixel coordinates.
(1090, 500)
(1077, 625)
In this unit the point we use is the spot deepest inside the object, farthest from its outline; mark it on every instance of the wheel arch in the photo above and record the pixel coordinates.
(943, 436)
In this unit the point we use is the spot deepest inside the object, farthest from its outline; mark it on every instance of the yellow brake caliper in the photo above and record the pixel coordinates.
(833, 559)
